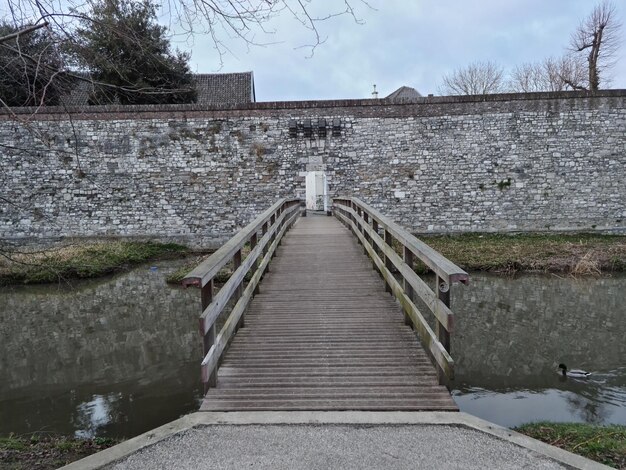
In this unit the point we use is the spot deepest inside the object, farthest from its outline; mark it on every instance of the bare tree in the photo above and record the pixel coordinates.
(597, 36)
(478, 78)
(527, 77)
(224, 21)
(551, 74)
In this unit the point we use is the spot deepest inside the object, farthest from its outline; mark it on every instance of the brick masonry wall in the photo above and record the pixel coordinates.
(505, 163)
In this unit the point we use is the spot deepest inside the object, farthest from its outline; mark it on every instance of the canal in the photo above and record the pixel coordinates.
(119, 356)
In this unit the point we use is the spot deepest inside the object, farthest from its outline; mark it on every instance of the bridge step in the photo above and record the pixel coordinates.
(324, 335)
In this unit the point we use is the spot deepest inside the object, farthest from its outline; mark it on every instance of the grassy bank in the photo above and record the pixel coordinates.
(577, 254)
(604, 444)
(43, 452)
(80, 261)
(568, 254)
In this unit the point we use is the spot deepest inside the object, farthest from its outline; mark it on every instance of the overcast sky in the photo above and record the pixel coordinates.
(402, 42)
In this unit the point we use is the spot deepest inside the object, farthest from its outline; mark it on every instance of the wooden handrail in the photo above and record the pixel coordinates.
(273, 223)
(207, 270)
(438, 263)
(366, 222)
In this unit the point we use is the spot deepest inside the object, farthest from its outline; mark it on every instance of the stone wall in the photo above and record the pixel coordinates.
(529, 162)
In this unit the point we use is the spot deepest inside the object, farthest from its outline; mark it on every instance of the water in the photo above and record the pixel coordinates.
(511, 334)
(120, 356)
(113, 357)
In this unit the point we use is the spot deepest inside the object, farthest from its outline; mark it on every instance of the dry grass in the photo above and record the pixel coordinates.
(588, 265)
(84, 260)
(576, 254)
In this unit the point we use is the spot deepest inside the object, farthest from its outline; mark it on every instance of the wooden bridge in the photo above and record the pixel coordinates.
(321, 331)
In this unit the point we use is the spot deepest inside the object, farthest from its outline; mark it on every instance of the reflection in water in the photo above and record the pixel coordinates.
(95, 414)
(119, 357)
(115, 357)
(511, 333)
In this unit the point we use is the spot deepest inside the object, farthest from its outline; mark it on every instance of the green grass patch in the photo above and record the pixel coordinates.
(43, 451)
(80, 261)
(560, 253)
(604, 444)
(12, 443)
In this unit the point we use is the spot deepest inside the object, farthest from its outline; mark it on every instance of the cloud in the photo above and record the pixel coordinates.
(402, 43)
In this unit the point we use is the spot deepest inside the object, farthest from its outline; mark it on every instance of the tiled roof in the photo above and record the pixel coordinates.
(78, 94)
(225, 88)
(213, 89)
(404, 93)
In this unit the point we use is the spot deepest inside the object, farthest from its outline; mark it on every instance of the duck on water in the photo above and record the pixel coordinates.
(576, 373)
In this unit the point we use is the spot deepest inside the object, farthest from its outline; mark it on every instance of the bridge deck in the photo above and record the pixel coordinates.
(324, 335)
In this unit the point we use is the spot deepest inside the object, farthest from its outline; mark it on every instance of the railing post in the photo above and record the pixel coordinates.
(263, 232)
(253, 242)
(340, 209)
(206, 296)
(408, 289)
(368, 239)
(273, 237)
(375, 228)
(388, 263)
(280, 225)
(443, 292)
(357, 222)
(239, 290)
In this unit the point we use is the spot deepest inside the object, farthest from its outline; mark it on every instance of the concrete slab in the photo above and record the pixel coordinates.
(394, 440)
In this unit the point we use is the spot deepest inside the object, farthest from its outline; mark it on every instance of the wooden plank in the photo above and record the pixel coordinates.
(210, 361)
(350, 404)
(325, 339)
(213, 311)
(425, 332)
(439, 309)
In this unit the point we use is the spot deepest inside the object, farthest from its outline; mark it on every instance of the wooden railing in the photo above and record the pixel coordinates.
(380, 238)
(271, 225)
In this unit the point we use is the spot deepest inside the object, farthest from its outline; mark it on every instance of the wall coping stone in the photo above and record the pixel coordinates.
(384, 106)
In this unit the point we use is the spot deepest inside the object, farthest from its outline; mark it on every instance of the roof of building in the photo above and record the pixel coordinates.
(404, 93)
(212, 88)
(225, 88)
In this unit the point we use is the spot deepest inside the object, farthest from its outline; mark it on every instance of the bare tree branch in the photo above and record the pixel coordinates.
(478, 78)
(23, 31)
(598, 36)
(551, 74)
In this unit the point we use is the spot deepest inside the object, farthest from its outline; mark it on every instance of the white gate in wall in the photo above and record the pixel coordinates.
(316, 191)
